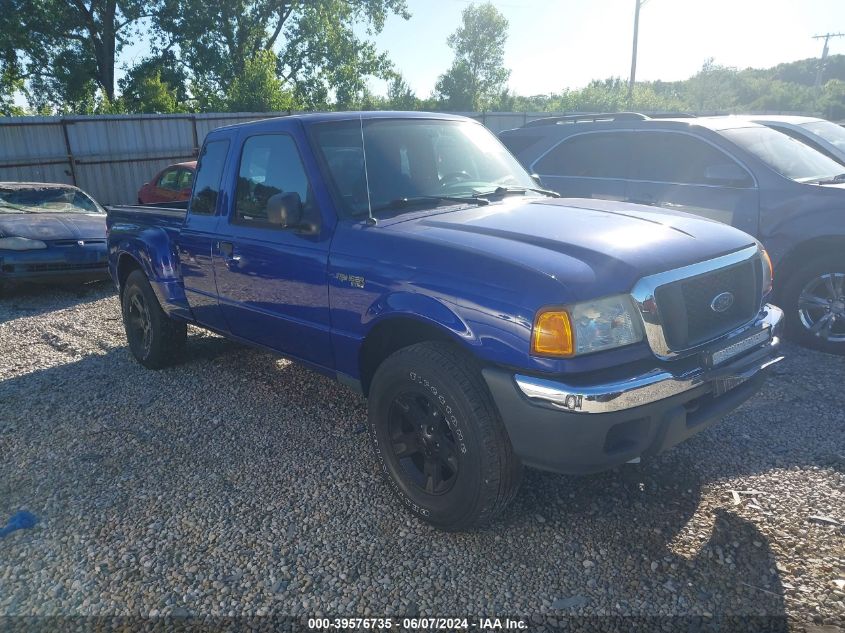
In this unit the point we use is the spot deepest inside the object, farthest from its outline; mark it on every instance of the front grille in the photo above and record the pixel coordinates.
(686, 310)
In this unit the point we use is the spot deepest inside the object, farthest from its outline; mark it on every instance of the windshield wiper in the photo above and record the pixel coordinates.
(398, 204)
(837, 179)
(504, 191)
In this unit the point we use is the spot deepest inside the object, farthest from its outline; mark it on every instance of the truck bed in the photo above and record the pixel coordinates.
(164, 217)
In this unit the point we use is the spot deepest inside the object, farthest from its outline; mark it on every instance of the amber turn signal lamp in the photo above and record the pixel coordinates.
(552, 334)
(767, 267)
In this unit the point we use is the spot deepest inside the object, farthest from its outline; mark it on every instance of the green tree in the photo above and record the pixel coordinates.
(66, 50)
(157, 84)
(477, 77)
(832, 100)
(400, 96)
(258, 88)
(320, 57)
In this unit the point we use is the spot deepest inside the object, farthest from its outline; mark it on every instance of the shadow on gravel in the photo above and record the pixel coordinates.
(35, 299)
(218, 427)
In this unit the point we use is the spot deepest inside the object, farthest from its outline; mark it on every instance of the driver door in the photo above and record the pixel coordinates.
(271, 281)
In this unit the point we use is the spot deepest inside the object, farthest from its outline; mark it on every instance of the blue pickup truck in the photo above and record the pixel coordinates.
(490, 323)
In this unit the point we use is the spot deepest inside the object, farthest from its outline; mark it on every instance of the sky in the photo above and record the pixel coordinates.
(556, 44)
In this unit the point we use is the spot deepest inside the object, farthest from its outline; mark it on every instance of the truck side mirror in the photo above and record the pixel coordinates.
(284, 209)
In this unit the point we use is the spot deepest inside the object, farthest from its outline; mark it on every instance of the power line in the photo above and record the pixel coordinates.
(826, 37)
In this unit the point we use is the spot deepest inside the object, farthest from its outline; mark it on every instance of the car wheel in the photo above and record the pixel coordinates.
(814, 301)
(439, 438)
(155, 340)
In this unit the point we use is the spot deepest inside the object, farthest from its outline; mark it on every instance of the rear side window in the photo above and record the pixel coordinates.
(684, 159)
(209, 175)
(270, 165)
(593, 155)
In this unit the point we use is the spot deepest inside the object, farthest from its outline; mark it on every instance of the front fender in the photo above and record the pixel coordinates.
(419, 307)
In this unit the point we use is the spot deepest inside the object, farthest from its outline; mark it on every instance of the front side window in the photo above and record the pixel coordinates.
(684, 159)
(593, 155)
(790, 158)
(186, 177)
(169, 180)
(209, 174)
(400, 159)
(270, 165)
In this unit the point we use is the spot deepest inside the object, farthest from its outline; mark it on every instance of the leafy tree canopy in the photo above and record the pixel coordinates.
(478, 74)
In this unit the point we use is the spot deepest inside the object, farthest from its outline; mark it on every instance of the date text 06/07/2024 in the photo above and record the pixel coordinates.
(417, 624)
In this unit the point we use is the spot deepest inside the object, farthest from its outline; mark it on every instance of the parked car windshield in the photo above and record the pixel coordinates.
(784, 154)
(423, 160)
(830, 132)
(47, 200)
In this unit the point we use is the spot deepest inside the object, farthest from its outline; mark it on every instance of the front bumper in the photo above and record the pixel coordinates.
(584, 426)
(67, 263)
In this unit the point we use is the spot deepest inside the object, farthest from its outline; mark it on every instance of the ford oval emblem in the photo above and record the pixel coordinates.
(722, 302)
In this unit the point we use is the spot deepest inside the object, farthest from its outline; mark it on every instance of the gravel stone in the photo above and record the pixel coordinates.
(239, 483)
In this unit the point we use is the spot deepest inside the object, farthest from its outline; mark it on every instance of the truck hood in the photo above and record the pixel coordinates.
(581, 241)
(53, 226)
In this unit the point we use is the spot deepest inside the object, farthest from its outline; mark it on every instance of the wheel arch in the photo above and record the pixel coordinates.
(396, 330)
(801, 253)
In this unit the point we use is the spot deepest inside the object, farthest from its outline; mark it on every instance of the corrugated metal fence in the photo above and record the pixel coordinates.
(112, 156)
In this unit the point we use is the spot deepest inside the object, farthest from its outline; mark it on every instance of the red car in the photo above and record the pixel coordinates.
(171, 184)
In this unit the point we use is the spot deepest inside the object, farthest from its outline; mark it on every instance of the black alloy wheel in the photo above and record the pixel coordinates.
(423, 443)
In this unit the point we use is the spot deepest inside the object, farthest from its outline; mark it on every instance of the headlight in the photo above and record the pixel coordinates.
(20, 244)
(586, 327)
(768, 270)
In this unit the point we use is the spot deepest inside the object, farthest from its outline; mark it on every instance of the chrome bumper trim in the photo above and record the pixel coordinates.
(657, 384)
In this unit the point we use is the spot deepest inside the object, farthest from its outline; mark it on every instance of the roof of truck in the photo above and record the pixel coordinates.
(319, 117)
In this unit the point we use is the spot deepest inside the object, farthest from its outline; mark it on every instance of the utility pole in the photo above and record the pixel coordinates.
(826, 37)
(638, 4)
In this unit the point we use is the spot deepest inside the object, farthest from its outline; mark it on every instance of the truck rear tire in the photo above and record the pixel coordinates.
(439, 438)
(814, 303)
(155, 340)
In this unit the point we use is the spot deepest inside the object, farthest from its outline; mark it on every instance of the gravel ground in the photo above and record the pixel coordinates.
(241, 484)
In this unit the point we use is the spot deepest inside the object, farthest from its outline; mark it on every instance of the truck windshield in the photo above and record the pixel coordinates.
(784, 154)
(421, 160)
(830, 132)
(46, 200)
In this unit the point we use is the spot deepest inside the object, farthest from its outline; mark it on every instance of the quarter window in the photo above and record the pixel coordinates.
(593, 155)
(270, 165)
(209, 174)
(683, 159)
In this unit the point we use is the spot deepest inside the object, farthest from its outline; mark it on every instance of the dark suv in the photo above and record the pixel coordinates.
(788, 195)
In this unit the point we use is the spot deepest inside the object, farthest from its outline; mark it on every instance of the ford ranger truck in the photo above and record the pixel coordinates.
(491, 324)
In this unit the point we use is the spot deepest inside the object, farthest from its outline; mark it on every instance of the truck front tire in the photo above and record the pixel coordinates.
(439, 438)
(155, 340)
